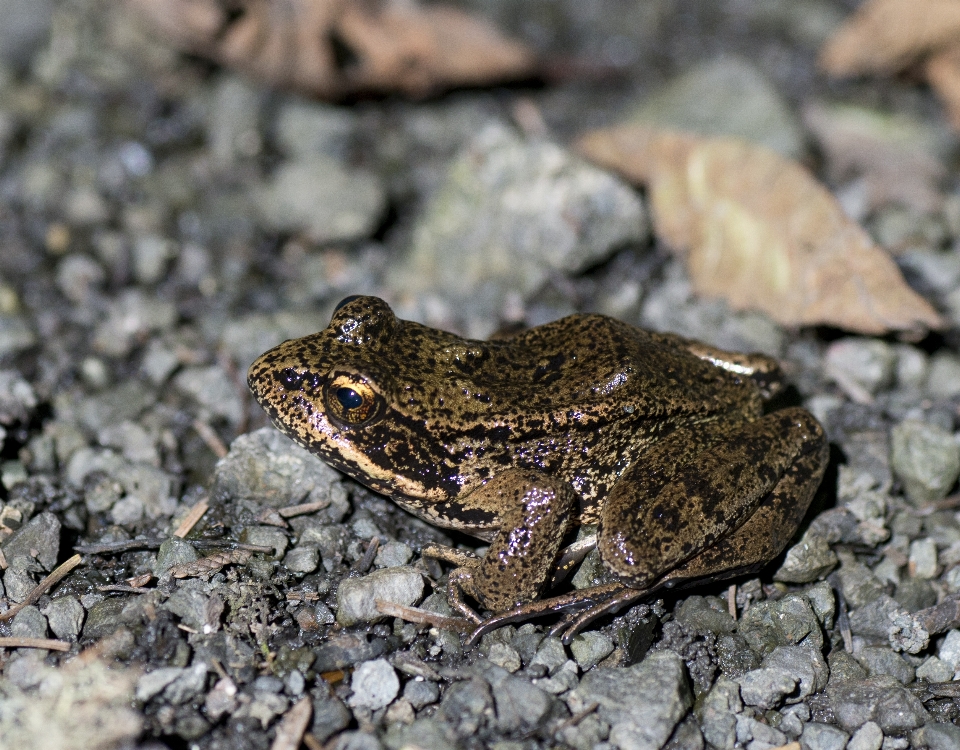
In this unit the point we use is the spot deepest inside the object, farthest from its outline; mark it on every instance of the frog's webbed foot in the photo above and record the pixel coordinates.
(597, 600)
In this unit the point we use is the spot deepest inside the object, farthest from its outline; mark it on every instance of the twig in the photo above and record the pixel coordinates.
(59, 572)
(292, 726)
(423, 617)
(195, 514)
(577, 717)
(732, 601)
(208, 436)
(303, 596)
(48, 643)
(363, 565)
(312, 742)
(941, 617)
(298, 510)
(121, 588)
(132, 544)
(3, 561)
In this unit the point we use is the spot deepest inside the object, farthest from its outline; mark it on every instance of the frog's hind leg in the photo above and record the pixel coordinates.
(679, 522)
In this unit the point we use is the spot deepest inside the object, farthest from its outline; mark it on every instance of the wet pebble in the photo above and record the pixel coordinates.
(818, 736)
(590, 648)
(304, 558)
(29, 623)
(420, 692)
(65, 615)
(39, 540)
(765, 688)
(867, 737)
(356, 597)
(879, 699)
(926, 458)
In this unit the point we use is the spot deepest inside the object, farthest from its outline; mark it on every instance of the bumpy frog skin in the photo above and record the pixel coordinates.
(659, 441)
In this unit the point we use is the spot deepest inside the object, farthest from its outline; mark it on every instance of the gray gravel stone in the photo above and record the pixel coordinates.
(823, 601)
(755, 734)
(804, 663)
(374, 684)
(518, 703)
(421, 692)
(356, 597)
(861, 366)
(233, 126)
(268, 468)
(766, 688)
(925, 458)
(922, 561)
(879, 661)
(811, 558)
(304, 558)
(214, 390)
(590, 648)
(867, 737)
(65, 615)
(504, 656)
(706, 614)
(17, 579)
(321, 198)
(130, 318)
(329, 714)
(718, 713)
(787, 622)
(17, 398)
(195, 607)
(392, 555)
(152, 683)
(465, 705)
(728, 96)
(29, 623)
(879, 699)
(423, 733)
(943, 381)
(16, 335)
(818, 736)
(937, 737)
(642, 703)
(309, 128)
(551, 654)
(510, 213)
(24, 29)
(935, 669)
(40, 535)
(174, 551)
(885, 618)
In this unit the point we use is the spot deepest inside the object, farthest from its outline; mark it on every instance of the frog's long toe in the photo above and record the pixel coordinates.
(572, 624)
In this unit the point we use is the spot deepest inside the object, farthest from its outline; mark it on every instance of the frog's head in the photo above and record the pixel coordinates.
(337, 393)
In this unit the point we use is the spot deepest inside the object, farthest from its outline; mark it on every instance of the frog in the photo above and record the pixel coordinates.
(585, 433)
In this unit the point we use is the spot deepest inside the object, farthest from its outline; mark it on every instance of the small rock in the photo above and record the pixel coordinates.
(195, 607)
(757, 734)
(879, 661)
(187, 685)
(766, 688)
(130, 317)
(423, 733)
(823, 601)
(642, 703)
(128, 511)
(935, 669)
(914, 594)
(29, 623)
(17, 581)
(705, 614)
(511, 213)
(729, 96)
(266, 536)
(787, 622)
(858, 584)
(392, 555)
(937, 737)
(861, 366)
(504, 656)
(15, 335)
(356, 596)
(318, 196)
(268, 468)
(878, 699)
(518, 703)
(304, 558)
(152, 683)
(867, 737)
(590, 648)
(214, 390)
(804, 663)
(39, 539)
(174, 551)
(233, 121)
(926, 458)
(822, 737)
(420, 692)
(923, 558)
(309, 128)
(551, 654)
(24, 30)
(374, 684)
(17, 398)
(943, 382)
(808, 560)
(65, 615)
(718, 713)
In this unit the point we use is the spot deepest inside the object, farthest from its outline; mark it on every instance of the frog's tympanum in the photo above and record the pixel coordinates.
(658, 444)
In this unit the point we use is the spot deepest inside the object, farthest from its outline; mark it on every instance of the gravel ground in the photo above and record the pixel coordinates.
(163, 222)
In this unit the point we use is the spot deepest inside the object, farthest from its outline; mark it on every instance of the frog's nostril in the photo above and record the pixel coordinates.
(290, 378)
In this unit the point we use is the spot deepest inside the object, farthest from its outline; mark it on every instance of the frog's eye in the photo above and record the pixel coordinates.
(346, 301)
(351, 399)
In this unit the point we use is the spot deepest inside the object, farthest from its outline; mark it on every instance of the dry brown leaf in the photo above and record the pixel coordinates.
(943, 74)
(896, 158)
(761, 232)
(335, 48)
(883, 36)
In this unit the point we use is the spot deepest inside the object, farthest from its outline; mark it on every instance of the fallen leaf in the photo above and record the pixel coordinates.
(758, 230)
(883, 36)
(943, 74)
(335, 48)
(898, 158)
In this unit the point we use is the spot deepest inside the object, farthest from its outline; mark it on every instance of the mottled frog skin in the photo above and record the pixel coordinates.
(659, 441)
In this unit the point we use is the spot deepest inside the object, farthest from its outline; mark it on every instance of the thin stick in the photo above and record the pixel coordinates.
(312, 742)
(298, 510)
(125, 589)
(195, 514)
(3, 561)
(48, 643)
(132, 544)
(732, 601)
(292, 726)
(208, 436)
(60, 572)
(423, 617)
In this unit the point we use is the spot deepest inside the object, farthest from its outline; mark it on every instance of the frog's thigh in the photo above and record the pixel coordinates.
(656, 519)
(764, 534)
(535, 512)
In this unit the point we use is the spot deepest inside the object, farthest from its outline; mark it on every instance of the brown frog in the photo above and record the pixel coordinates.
(658, 441)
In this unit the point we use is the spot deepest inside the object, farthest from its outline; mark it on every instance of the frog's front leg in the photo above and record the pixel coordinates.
(693, 491)
(534, 512)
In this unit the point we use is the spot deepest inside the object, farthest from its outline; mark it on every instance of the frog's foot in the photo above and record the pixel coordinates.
(573, 623)
(452, 555)
(576, 600)
(462, 581)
